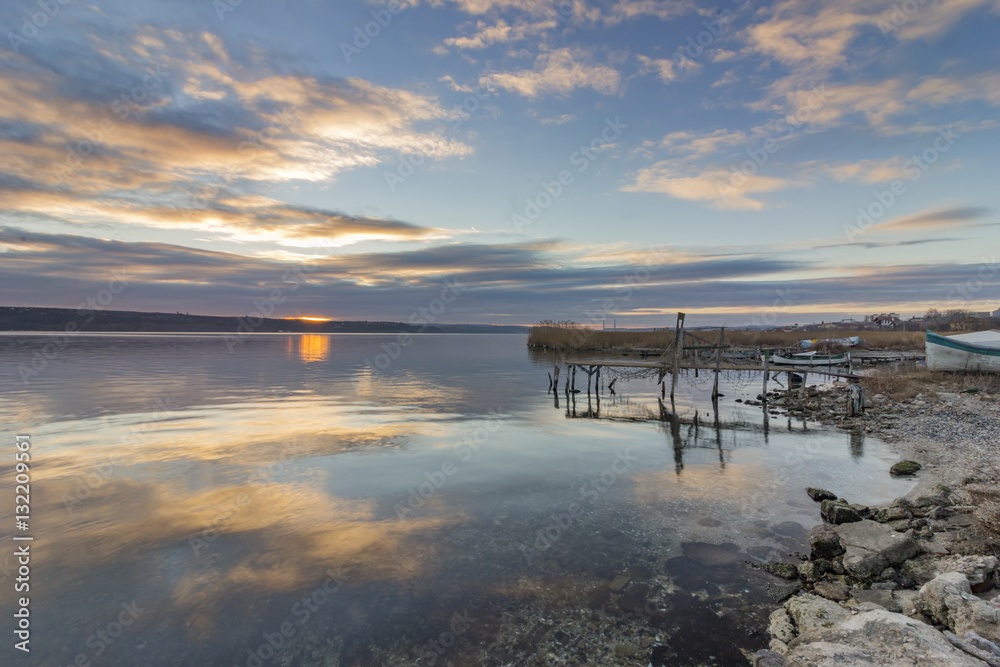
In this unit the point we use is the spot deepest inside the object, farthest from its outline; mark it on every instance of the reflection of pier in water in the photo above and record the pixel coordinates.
(684, 431)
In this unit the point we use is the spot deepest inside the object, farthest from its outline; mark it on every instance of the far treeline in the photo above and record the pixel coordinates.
(569, 335)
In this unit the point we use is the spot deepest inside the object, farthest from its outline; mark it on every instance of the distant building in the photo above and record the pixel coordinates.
(883, 321)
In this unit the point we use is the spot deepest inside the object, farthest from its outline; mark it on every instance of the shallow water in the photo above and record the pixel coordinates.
(432, 505)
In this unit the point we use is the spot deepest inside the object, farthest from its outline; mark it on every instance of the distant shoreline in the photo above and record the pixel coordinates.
(26, 319)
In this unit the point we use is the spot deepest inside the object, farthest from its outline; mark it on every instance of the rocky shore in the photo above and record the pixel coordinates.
(913, 582)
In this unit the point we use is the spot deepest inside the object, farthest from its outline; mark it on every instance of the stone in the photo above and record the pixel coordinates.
(619, 582)
(871, 547)
(978, 570)
(626, 650)
(878, 637)
(832, 590)
(948, 599)
(981, 643)
(811, 612)
(893, 513)
(875, 596)
(768, 658)
(820, 494)
(813, 570)
(904, 468)
(781, 626)
(824, 542)
(837, 513)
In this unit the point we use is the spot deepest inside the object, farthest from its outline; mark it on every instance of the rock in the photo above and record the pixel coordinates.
(871, 547)
(767, 658)
(619, 582)
(813, 570)
(832, 590)
(904, 468)
(783, 570)
(781, 625)
(981, 643)
(881, 598)
(948, 599)
(626, 650)
(888, 574)
(824, 542)
(836, 513)
(893, 513)
(820, 494)
(878, 637)
(811, 613)
(981, 571)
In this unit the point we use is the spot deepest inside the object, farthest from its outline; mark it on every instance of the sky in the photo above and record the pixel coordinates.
(502, 161)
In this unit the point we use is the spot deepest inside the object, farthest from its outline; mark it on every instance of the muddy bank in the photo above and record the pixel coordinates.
(910, 582)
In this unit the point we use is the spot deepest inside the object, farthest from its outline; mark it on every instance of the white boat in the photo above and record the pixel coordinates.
(810, 359)
(850, 341)
(978, 351)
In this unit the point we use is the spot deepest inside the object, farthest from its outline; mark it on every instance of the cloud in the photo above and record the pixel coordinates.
(558, 72)
(715, 186)
(946, 218)
(668, 70)
(865, 171)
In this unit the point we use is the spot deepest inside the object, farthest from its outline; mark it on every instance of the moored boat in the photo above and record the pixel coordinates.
(977, 351)
(810, 359)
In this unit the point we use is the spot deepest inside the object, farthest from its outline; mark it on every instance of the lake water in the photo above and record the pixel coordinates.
(301, 500)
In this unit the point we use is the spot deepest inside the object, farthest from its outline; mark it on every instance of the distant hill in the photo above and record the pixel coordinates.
(13, 318)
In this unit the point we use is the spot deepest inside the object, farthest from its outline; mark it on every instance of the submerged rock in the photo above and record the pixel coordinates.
(811, 613)
(820, 494)
(904, 468)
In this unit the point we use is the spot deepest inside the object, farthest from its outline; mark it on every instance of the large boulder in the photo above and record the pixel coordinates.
(878, 637)
(871, 547)
(948, 599)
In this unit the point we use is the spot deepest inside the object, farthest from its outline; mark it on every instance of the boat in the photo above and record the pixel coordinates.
(850, 341)
(977, 351)
(810, 359)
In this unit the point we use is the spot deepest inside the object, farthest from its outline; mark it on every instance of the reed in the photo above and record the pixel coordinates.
(573, 336)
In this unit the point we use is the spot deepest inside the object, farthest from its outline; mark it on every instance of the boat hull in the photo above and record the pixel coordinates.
(836, 360)
(946, 354)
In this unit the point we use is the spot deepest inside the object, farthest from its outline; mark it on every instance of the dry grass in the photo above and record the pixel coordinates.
(986, 499)
(570, 336)
(900, 384)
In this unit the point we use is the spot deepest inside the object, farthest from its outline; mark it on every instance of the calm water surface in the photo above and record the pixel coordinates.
(288, 502)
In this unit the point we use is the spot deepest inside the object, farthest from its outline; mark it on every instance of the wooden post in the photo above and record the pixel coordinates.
(566, 384)
(550, 383)
(718, 361)
(802, 387)
(573, 388)
(678, 347)
(767, 372)
(556, 373)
